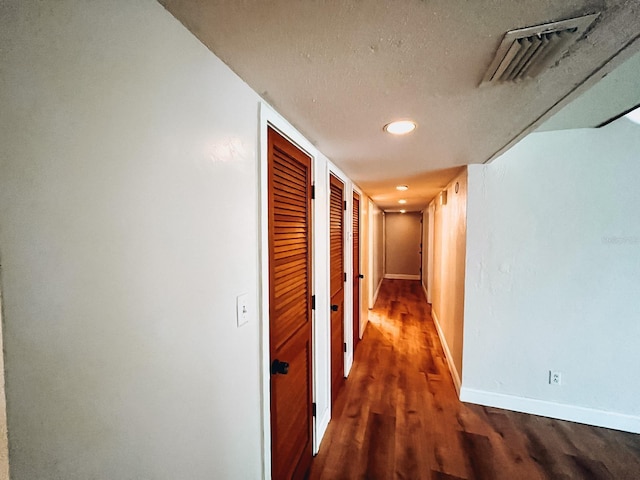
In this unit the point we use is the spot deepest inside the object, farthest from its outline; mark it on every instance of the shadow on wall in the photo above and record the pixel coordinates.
(449, 256)
(403, 235)
(4, 447)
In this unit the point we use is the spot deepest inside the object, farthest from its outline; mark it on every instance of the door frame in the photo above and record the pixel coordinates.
(355, 189)
(340, 348)
(270, 118)
(431, 209)
(347, 318)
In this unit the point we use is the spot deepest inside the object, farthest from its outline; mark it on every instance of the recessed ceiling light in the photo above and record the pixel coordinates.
(401, 127)
(634, 115)
(403, 201)
(402, 188)
(403, 211)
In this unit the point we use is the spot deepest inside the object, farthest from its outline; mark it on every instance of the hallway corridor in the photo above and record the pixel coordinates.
(398, 416)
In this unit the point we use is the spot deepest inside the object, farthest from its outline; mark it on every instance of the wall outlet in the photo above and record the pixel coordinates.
(555, 378)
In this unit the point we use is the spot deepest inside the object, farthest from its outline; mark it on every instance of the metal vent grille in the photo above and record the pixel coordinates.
(526, 52)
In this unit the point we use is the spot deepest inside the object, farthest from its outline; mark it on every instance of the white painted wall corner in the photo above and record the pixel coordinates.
(375, 295)
(561, 411)
(447, 353)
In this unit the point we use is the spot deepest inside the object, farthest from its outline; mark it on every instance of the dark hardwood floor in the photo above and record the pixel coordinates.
(398, 416)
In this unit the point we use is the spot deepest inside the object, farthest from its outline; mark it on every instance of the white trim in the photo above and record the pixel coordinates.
(375, 295)
(430, 252)
(265, 397)
(348, 284)
(401, 276)
(372, 293)
(340, 174)
(322, 424)
(426, 294)
(347, 287)
(572, 413)
(424, 254)
(447, 353)
(384, 243)
(355, 190)
(322, 332)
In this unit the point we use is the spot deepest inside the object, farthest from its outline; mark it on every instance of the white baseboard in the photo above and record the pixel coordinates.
(375, 295)
(401, 276)
(363, 324)
(426, 294)
(321, 427)
(447, 353)
(572, 413)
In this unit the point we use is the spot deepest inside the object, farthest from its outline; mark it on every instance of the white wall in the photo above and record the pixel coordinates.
(425, 252)
(322, 324)
(376, 229)
(128, 226)
(553, 262)
(430, 211)
(403, 232)
(365, 246)
(4, 446)
(448, 288)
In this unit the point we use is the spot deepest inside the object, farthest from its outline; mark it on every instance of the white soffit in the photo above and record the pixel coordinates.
(614, 94)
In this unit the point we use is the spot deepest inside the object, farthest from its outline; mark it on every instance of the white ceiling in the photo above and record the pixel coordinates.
(340, 70)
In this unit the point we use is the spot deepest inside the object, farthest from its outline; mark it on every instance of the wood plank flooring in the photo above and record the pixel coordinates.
(398, 416)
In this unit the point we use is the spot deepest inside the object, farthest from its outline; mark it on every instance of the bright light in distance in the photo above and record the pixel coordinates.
(403, 201)
(401, 127)
(634, 115)
(403, 211)
(402, 188)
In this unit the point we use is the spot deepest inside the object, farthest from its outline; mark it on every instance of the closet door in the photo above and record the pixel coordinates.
(289, 184)
(337, 275)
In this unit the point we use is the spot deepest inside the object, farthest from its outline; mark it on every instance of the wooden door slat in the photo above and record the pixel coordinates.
(289, 175)
(289, 185)
(336, 281)
(355, 224)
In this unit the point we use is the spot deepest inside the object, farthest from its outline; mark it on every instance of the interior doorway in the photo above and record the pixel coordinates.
(356, 269)
(403, 239)
(336, 283)
(290, 304)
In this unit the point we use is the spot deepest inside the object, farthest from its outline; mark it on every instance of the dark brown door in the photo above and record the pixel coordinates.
(356, 270)
(289, 177)
(336, 235)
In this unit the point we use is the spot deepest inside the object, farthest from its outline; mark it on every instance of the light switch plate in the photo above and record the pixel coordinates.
(242, 306)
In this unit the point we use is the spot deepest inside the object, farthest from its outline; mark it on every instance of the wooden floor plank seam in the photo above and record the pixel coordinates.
(398, 416)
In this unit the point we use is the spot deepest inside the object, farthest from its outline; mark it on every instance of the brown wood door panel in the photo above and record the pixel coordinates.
(337, 345)
(289, 192)
(336, 248)
(356, 270)
(290, 443)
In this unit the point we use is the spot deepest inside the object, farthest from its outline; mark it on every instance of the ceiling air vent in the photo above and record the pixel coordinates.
(525, 52)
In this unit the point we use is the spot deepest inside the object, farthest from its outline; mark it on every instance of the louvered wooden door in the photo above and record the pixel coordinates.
(356, 270)
(289, 184)
(336, 235)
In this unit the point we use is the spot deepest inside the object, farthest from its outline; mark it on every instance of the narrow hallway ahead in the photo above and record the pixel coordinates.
(398, 416)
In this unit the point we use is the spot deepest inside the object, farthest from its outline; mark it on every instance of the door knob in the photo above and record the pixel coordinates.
(361, 276)
(279, 367)
(334, 308)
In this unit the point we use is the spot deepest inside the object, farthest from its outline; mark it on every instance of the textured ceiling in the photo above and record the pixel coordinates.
(339, 71)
